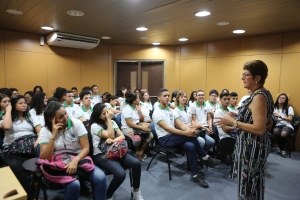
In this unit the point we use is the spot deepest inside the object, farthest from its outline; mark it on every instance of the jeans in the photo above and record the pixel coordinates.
(281, 141)
(206, 143)
(98, 181)
(116, 167)
(190, 144)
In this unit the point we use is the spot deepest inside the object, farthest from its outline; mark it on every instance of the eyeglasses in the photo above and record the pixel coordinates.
(200, 95)
(246, 75)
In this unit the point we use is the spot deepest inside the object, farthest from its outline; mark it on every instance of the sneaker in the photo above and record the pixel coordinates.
(210, 162)
(200, 173)
(199, 181)
(279, 152)
(136, 195)
(109, 198)
(284, 154)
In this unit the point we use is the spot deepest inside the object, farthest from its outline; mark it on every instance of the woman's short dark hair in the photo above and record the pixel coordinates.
(37, 102)
(30, 93)
(131, 97)
(286, 106)
(2, 96)
(37, 86)
(50, 113)
(59, 93)
(14, 113)
(97, 110)
(257, 68)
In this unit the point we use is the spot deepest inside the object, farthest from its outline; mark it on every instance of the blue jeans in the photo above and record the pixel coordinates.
(206, 143)
(116, 167)
(190, 144)
(98, 181)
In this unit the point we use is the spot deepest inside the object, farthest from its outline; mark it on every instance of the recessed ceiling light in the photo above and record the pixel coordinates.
(239, 31)
(144, 38)
(106, 37)
(141, 29)
(15, 12)
(75, 13)
(222, 23)
(156, 43)
(47, 28)
(202, 14)
(183, 39)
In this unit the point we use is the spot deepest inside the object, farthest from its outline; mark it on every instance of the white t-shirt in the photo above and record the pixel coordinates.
(184, 115)
(220, 112)
(82, 112)
(232, 109)
(281, 122)
(146, 111)
(212, 107)
(201, 112)
(129, 112)
(67, 141)
(71, 109)
(109, 106)
(243, 99)
(76, 98)
(96, 99)
(36, 119)
(148, 105)
(156, 104)
(95, 131)
(19, 129)
(123, 104)
(163, 114)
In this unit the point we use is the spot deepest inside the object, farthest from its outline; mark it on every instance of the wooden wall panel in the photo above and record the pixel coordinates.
(261, 45)
(101, 51)
(192, 75)
(63, 51)
(16, 41)
(63, 71)
(273, 62)
(1, 40)
(2, 70)
(193, 51)
(24, 70)
(223, 48)
(291, 42)
(223, 73)
(95, 71)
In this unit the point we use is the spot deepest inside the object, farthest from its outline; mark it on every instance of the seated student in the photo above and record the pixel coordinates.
(232, 107)
(284, 115)
(59, 94)
(105, 130)
(76, 98)
(193, 97)
(165, 119)
(37, 89)
(69, 104)
(64, 135)
(147, 101)
(111, 105)
(51, 99)
(212, 102)
(138, 92)
(244, 98)
(96, 97)
(131, 117)
(4, 102)
(14, 91)
(36, 113)
(121, 94)
(201, 116)
(84, 112)
(105, 97)
(28, 96)
(184, 114)
(221, 112)
(218, 99)
(16, 123)
(173, 99)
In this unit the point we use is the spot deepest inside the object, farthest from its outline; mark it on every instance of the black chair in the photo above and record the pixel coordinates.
(167, 151)
(226, 147)
(291, 139)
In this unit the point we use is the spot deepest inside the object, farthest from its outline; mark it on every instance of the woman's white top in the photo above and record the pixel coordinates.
(37, 120)
(281, 122)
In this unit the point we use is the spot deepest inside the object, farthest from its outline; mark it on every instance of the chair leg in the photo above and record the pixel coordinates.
(131, 182)
(152, 159)
(231, 168)
(38, 187)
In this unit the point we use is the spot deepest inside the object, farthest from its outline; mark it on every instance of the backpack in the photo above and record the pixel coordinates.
(55, 171)
(23, 145)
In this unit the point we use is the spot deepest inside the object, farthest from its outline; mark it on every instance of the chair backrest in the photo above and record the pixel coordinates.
(296, 122)
(154, 132)
(118, 121)
(227, 145)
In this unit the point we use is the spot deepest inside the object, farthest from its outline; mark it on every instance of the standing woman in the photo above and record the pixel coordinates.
(61, 135)
(252, 144)
(16, 124)
(105, 130)
(284, 114)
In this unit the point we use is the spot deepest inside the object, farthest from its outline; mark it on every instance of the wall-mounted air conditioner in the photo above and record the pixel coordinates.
(72, 41)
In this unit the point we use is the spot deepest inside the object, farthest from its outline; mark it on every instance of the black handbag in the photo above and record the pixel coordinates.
(200, 132)
(140, 132)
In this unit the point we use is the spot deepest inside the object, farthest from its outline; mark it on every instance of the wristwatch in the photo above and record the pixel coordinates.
(235, 124)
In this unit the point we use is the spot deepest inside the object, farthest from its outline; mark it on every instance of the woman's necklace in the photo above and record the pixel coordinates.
(257, 89)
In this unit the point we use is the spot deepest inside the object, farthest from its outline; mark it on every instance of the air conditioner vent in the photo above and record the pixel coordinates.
(77, 38)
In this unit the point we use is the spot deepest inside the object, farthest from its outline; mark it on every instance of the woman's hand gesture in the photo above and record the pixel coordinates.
(226, 120)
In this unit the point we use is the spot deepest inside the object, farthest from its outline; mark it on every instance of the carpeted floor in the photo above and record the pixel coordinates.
(282, 181)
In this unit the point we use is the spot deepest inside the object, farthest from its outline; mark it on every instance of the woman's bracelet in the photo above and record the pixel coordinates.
(78, 158)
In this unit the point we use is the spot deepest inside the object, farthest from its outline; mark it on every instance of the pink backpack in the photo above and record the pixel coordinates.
(55, 171)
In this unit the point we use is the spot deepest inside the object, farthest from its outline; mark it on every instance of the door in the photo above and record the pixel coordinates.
(146, 75)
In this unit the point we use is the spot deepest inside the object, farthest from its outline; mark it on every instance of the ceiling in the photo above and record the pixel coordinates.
(166, 20)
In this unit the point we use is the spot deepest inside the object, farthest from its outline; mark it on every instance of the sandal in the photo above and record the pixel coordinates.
(144, 156)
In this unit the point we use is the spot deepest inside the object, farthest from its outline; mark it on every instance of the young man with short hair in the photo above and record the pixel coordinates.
(221, 112)
(212, 102)
(76, 98)
(232, 107)
(165, 120)
(96, 97)
(69, 104)
(201, 116)
(84, 112)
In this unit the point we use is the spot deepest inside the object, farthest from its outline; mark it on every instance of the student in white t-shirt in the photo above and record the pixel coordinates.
(284, 114)
(121, 94)
(96, 97)
(212, 102)
(244, 98)
(193, 98)
(69, 104)
(221, 112)
(131, 117)
(111, 105)
(105, 130)
(147, 101)
(65, 135)
(76, 98)
(232, 107)
(84, 112)
(165, 120)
